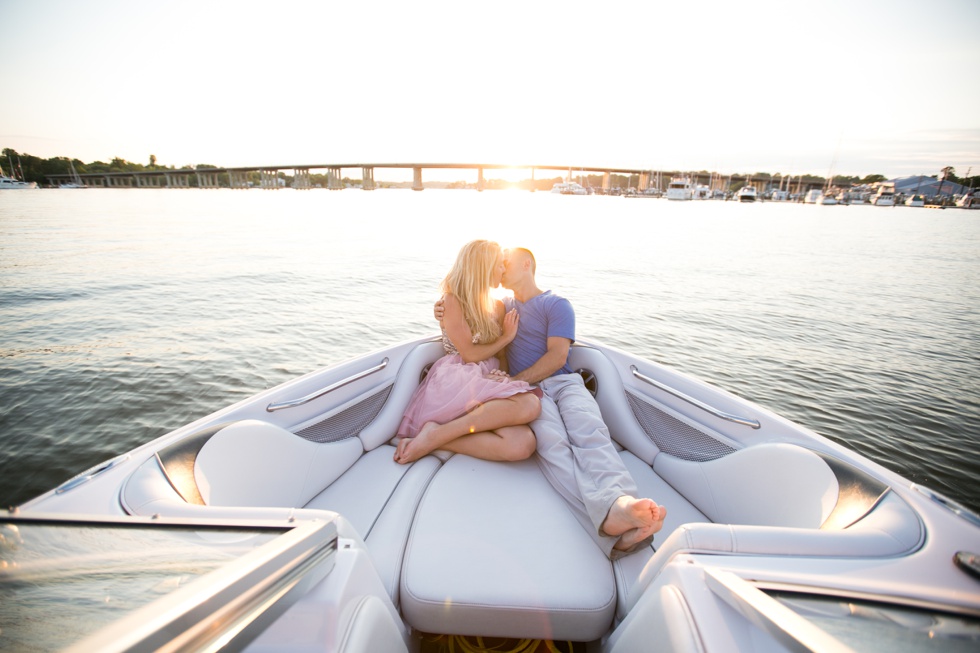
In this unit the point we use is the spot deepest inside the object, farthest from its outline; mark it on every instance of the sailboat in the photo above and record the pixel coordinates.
(76, 180)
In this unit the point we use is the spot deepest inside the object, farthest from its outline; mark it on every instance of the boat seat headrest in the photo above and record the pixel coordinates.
(254, 463)
(772, 484)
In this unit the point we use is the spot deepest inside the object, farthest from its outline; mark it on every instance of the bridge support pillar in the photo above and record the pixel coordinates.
(417, 179)
(269, 179)
(367, 178)
(334, 179)
(644, 181)
(301, 178)
(532, 181)
(481, 184)
(238, 179)
(606, 180)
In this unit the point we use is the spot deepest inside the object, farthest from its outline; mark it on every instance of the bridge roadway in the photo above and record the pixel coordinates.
(269, 176)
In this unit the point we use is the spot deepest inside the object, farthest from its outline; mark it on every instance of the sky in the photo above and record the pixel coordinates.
(851, 87)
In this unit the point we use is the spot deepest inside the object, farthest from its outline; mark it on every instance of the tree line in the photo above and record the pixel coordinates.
(32, 168)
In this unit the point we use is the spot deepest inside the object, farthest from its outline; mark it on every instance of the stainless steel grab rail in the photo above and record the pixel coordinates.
(280, 405)
(695, 402)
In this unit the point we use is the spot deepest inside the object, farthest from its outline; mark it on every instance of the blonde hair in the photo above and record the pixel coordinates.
(469, 282)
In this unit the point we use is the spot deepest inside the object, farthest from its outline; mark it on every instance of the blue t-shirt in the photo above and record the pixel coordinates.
(543, 316)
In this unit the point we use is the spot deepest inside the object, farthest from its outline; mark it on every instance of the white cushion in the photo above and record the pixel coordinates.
(763, 485)
(254, 463)
(379, 497)
(495, 552)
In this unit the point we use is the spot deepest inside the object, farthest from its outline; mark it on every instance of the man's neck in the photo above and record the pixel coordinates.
(526, 292)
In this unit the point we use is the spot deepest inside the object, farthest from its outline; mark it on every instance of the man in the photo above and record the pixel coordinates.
(575, 452)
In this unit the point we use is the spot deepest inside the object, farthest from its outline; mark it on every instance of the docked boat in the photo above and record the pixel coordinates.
(828, 200)
(76, 179)
(813, 196)
(969, 201)
(680, 188)
(702, 192)
(915, 200)
(283, 523)
(12, 183)
(885, 195)
(780, 195)
(747, 194)
(569, 188)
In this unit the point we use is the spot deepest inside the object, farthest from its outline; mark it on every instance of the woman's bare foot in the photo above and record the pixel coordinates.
(634, 536)
(411, 449)
(628, 513)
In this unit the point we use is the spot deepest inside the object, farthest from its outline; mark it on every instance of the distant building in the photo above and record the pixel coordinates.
(928, 186)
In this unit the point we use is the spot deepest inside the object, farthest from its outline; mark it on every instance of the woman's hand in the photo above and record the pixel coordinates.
(497, 375)
(511, 320)
(439, 310)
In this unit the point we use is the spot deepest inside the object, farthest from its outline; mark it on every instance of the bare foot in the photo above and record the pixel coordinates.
(628, 513)
(634, 536)
(411, 449)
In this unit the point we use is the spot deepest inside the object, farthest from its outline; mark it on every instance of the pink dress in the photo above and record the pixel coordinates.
(453, 388)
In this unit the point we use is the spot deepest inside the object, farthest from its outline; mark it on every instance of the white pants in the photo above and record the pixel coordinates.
(578, 458)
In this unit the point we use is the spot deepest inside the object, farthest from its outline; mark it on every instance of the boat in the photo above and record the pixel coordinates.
(885, 195)
(76, 180)
(915, 200)
(813, 196)
(780, 195)
(702, 192)
(747, 194)
(12, 183)
(569, 188)
(828, 200)
(282, 523)
(680, 188)
(969, 201)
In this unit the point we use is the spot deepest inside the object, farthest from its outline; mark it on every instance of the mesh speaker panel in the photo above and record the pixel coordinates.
(348, 422)
(673, 436)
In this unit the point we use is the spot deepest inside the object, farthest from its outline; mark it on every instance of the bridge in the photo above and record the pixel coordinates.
(237, 177)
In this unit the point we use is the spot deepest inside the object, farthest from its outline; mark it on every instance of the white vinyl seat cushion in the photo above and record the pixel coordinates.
(254, 463)
(494, 551)
(773, 484)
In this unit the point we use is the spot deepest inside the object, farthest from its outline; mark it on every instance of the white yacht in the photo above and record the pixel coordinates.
(10, 183)
(680, 188)
(281, 523)
(747, 194)
(915, 200)
(969, 201)
(885, 195)
(813, 196)
(569, 188)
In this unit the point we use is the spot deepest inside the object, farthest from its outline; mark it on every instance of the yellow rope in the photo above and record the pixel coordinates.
(463, 644)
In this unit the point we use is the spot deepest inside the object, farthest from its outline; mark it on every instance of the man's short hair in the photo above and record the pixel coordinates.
(530, 256)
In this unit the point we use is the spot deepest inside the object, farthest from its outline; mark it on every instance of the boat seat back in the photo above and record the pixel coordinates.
(773, 484)
(382, 429)
(254, 463)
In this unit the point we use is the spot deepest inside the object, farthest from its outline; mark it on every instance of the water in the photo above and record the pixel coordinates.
(127, 313)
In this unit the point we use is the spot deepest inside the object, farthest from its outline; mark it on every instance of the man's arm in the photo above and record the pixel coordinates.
(552, 361)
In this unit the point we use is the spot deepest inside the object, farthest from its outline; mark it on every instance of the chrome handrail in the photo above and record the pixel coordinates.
(280, 405)
(696, 402)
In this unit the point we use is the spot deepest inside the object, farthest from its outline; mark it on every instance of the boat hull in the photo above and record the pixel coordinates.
(459, 546)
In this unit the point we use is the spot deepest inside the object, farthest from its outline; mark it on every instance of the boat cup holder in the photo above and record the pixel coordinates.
(591, 382)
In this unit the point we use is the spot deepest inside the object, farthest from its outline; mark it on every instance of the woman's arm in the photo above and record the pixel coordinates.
(462, 337)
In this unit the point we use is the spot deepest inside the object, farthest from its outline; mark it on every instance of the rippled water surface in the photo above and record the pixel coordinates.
(127, 313)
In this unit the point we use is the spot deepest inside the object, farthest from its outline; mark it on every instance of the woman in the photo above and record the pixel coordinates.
(466, 404)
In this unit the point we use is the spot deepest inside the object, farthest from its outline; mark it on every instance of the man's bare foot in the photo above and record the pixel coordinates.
(411, 449)
(634, 536)
(628, 513)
